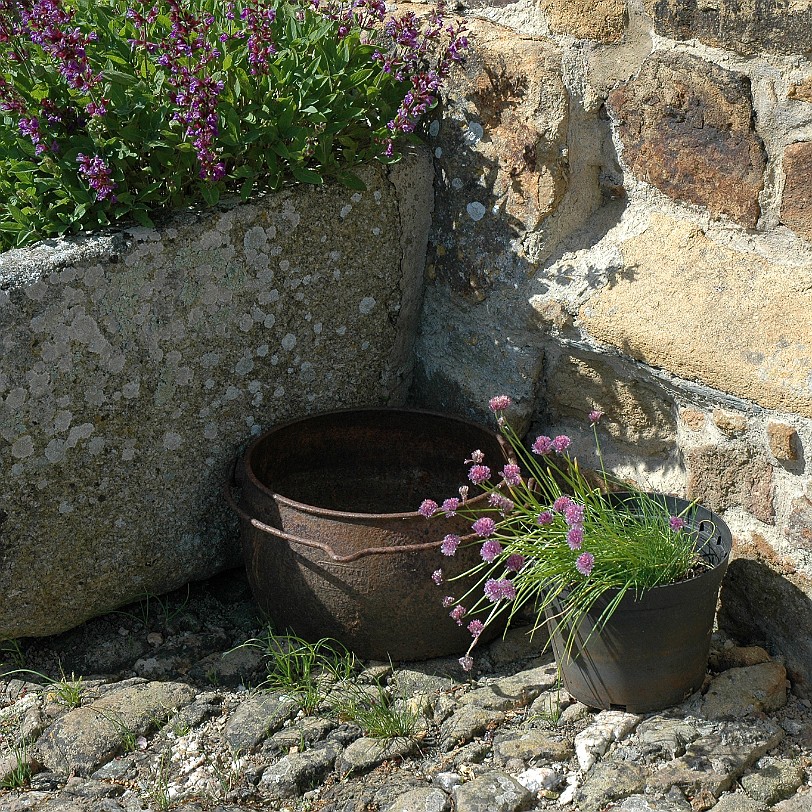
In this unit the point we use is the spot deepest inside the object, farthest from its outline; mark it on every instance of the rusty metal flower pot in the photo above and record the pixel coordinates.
(332, 542)
(653, 651)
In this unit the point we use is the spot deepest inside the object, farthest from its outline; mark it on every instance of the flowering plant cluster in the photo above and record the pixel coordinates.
(550, 534)
(112, 109)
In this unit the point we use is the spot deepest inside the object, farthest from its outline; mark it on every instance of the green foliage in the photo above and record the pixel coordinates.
(20, 773)
(375, 711)
(311, 111)
(66, 691)
(156, 611)
(11, 652)
(304, 670)
(158, 788)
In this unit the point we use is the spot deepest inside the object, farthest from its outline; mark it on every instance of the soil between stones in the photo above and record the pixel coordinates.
(158, 707)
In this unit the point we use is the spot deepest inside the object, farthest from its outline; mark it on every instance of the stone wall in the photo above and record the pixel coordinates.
(135, 365)
(624, 221)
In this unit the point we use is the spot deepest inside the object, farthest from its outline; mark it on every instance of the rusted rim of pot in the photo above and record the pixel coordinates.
(248, 470)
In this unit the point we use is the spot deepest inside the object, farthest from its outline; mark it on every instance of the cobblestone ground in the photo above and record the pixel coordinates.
(154, 708)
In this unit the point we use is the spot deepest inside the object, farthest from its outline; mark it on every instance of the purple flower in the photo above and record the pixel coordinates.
(542, 445)
(544, 518)
(574, 514)
(514, 562)
(496, 590)
(501, 502)
(476, 627)
(575, 537)
(594, 416)
(499, 403)
(562, 503)
(458, 613)
(584, 563)
(450, 506)
(450, 544)
(467, 663)
(448, 601)
(479, 474)
(484, 526)
(490, 549)
(437, 577)
(561, 443)
(97, 174)
(676, 523)
(428, 507)
(512, 474)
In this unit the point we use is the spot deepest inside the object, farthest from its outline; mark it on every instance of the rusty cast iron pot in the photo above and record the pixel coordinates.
(332, 541)
(653, 651)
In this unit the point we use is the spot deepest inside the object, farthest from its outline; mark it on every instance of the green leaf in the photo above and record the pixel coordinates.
(211, 194)
(351, 181)
(306, 175)
(120, 78)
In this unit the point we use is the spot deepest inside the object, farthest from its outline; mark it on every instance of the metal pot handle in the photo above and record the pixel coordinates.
(342, 559)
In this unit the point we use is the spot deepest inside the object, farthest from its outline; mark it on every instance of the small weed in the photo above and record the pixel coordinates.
(127, 736)
(66, 691)
(20, 774)
(11, 652)
(228, 771)
(69, 691)
(377, 715)
(180, 729)
(156, 610)
(303, 669)
(158, 791)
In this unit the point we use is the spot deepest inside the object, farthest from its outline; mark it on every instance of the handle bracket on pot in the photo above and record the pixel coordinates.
(326, 548)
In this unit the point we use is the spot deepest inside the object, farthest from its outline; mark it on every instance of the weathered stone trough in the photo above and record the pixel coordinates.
(136, 364)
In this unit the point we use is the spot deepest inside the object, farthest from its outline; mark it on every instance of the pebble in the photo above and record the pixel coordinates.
(199, 740)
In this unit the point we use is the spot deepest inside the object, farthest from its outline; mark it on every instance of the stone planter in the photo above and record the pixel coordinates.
(136, 363)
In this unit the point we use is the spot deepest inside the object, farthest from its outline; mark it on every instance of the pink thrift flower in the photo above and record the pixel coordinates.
(574, 514)
(428, 507)
(561, 443)
(458, 613)
(450, 506)
(479, 474)
(499, 403)
(499, 590)
(562, 503)
(501, 502)
(507, 589)
(575, 537)
(450, 544)
(484, 527)
(676, 523)
(467, 663)
(514, 562)
(585, 563)
(542, 445)
(492, 590)
(476, 627)
(512, 474)
(437, 577)
(448, 601)
(594, 416)
(544, 518)
(490, 549)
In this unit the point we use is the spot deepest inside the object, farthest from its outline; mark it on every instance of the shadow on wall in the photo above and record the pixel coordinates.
(760, 606)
